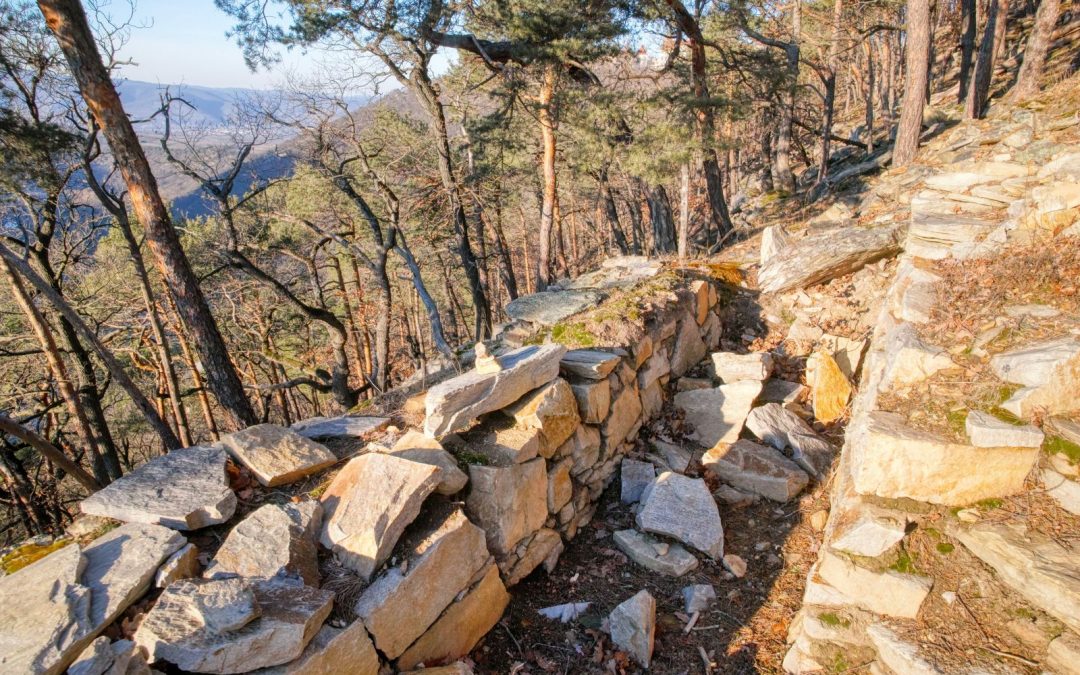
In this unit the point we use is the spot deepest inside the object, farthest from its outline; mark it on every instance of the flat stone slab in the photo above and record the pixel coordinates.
(717, 415)
(756, 468)
(274, 540)
(416, 447)
(682, 508)
(1034, 365)
(731, 367)
(368, 505)
(455, 403)
(333, 650)
(1043, 571)
(103, 657)
(400, 605)
(910, 360)
(552, 410)
(345, 426)
(51, 610)
(821, 257)
(508, 502)
(782, 391)
(986, 431)
(890, 593)
(550, 307)
(185, 489)
(276, 455)
(869, 532)
(590, 364)
(290, 615)
(781, 428)
(658, 556)
(618, 272)
(891, 459)
(633, 627)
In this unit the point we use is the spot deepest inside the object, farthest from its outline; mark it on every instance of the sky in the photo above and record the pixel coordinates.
(184, 43)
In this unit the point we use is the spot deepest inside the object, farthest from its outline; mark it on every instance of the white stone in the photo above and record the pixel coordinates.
(274, 540)
(756, 468)
(899, 656)
(590, 364)
(909, 360)
(670, 560)
(781, 428)
(718, 415)
(275, 455)
(682, 508)
(416, 447)
(774, 239)
(869, 532)
(730, 367)
(1033, 366)
(986, 431)
(633, 627)
(889, 593)
(550, 307)
(1065, 491)
(676, 458)
(183, 564)
(1063, 655)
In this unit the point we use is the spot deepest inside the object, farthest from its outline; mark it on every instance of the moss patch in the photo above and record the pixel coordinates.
(28, 554)
(572, 335)
(945, 548)
(1056, 445)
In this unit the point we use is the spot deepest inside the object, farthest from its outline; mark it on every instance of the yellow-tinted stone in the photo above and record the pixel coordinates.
(829, 387)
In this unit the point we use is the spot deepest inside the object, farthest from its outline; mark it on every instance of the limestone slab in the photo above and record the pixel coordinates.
(889, 593)
(344, 426)
(453, 404)
(869, 532)
(1034, 365)
(625, 414)
(731, 367)
(185, 489)
(756, 468)
(274, 540)
(333, 651)
(550, 307)
(781, 428)
(899, 656)
(591, 364)
(593, 399)
(508, 502)
(1063, 654)
(275, 455)
(416, 447)
(551, 410)
(910, 360)
(661, 557)
(682, 508)
(560, 487)
(183, 564)
(689, 348)
(633, 627)
(718, 414)
(1065, 491)
(986, 431)
(368, 505)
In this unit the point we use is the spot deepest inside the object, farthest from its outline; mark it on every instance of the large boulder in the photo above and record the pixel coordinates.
(275, 455)
(682, 508)
(443, 555)
(718, 414)
(893, 460)
(289, 616)
(274, 540)
(508, 502)
(756, 468)
(368, 505)
(453, 404)
(185, 489)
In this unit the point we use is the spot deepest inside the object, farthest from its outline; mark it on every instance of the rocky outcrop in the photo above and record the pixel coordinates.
(821, 257)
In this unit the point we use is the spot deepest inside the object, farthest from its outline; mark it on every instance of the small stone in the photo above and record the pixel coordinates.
(184, 564)
(682, 508)
(735, 565)
(781, 428)
(185, 489)
(869, 532)
(698, 597)
(677, 458)
(829, 387)
(633, 627)
(675, 561)
(593, 399)
(551, 410)
(274, 540)
(635, 476)
(782, 391)
(899, 656)
(730, 367)
(818, 519)
(544, 548)
(368, 505)
(692, 383)
(949, 597)
(986, 431)
(968, 515)
(416, 447)
(734, 497)
(110, 658)
(485, 362)
(1065, 491)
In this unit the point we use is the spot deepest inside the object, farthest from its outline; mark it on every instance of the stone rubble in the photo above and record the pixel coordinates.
(682, 508)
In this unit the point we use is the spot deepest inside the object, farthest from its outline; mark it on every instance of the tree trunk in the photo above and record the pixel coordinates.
(505, 255)
(611, 212)
(663, 226)
(830, 91)
(67, 21)
(49, 452)
(550, 194)
(196, 376)
(967, 46)
(1027, 82)
(979, 87)
(916, 61)
(684, 209)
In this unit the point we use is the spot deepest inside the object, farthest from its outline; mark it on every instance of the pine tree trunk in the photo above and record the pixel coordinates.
(830, 90)
(547, 208)
(967, 46)
(684, 209)
(916, 62)
(1027, 82)
(196, 376)
(67, 21)
(49, 452)
(979, 87)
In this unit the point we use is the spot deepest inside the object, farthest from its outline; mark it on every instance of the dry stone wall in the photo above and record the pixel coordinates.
(426, 530)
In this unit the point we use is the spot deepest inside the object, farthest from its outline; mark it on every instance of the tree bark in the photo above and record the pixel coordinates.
(550, 193)
(979, 87)
(916, 62)
(830, 91)
(967, 46)
(1038, 44)
(684, 209)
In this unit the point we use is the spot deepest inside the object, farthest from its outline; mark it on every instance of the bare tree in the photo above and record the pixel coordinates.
(917, 62)
(1038, 44)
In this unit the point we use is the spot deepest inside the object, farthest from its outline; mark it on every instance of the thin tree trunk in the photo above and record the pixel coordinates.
(967, 46)
(196, 376)
(918, 54)
(830, 90)
(979, 88)
(49, 452)
(684, 209)
(550, 193)
(67, 21)
(1038, 44)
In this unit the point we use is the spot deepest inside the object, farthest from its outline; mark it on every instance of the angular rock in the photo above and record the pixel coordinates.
(846, 352)
(462, 625)
(869, 532)
(619, 272)
(224, 605)
(274, 540)
(735, 498)
(889, 593)
(894, 460)
(275, 455)
(185, 489)
(1064, 491)
(416, 447)
(633, 627)
(899, 656)
(656, 367)
(634, 476)
(689, 347)
(676, 458)
(682, 508)
(345, 426)
(333, 651)
(368, 505)
(782, 391)
(986, 431)
(756, 468)
(508, 502)
(544, 548)
(693, 383)
(700, 289)
(593, 399)
(103, 657)
(717, 415)
(774, 239)
(652, 401)
(560, 487)
(503, 446)
(668, 559)
(291, 615)
(731, 367)
(584, 449)
(909, 360)
(625, 414)
(1032, 564)
(1050, 372)
(821, 257)
(1063, 655)
(550, 307)
(781, 428)
(552, 411)
(401, 604)
(183, 564)
(698, 597)
(735, 565)
(590, 364)
(936, 236)
(829, 387)
(453, 404)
